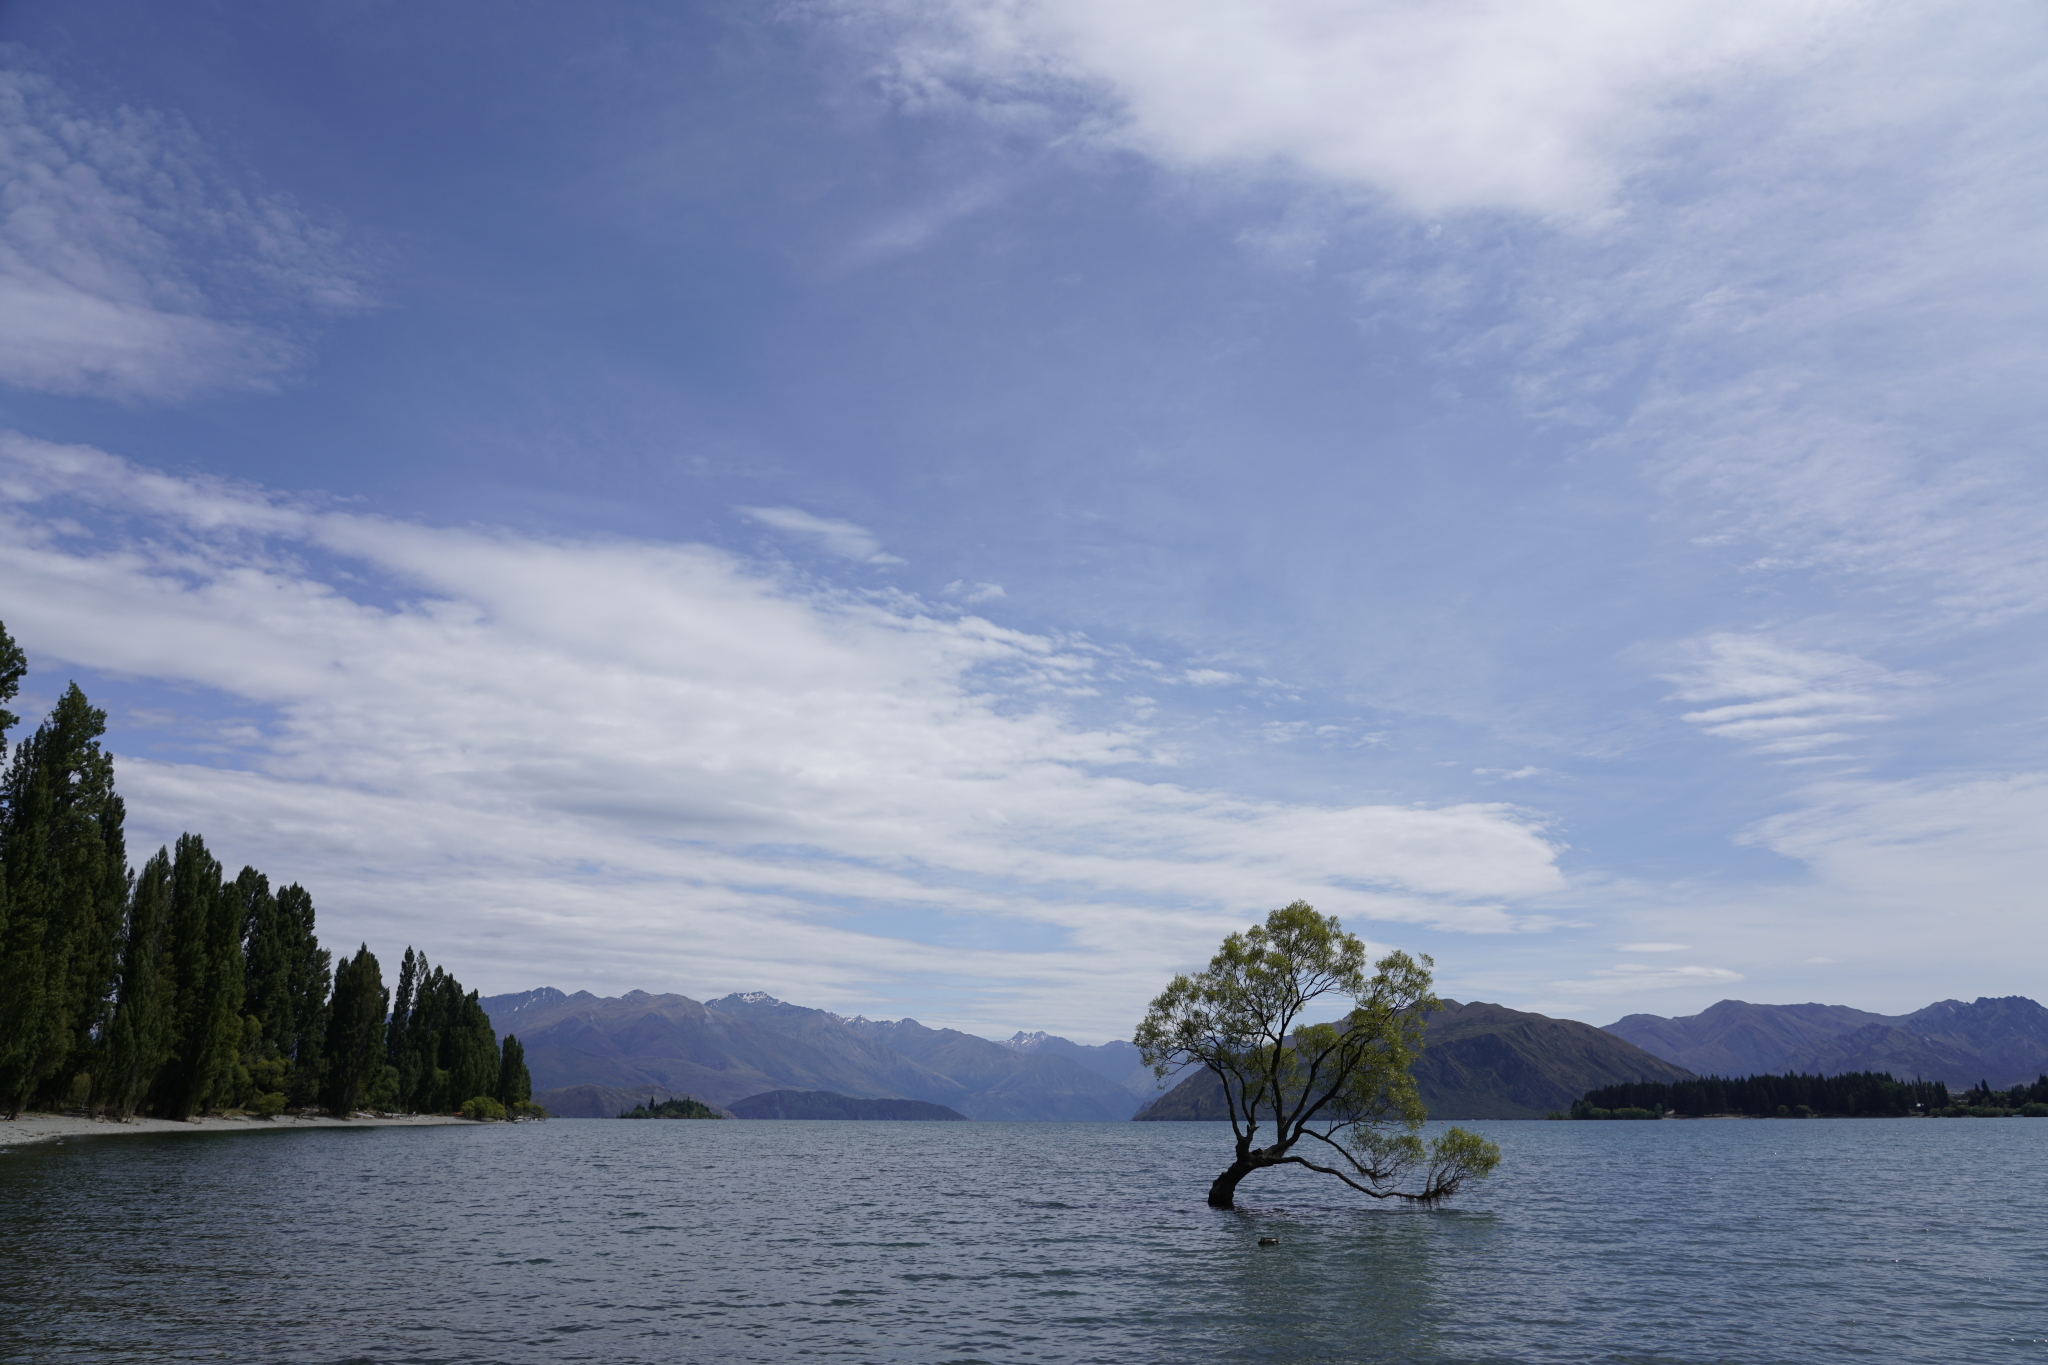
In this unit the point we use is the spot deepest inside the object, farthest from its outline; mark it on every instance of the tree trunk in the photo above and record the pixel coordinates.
(1223, 1191)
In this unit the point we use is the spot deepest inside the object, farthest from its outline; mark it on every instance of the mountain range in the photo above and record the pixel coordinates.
(2003, 1040)
(1481, 1061)
(724, 1050)
(593, 1056)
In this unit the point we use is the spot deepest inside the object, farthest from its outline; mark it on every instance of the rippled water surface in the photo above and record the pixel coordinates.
(1906, 1240)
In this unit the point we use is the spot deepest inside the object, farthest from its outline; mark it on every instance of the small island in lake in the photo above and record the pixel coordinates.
(682, 1108)
(823, 1104)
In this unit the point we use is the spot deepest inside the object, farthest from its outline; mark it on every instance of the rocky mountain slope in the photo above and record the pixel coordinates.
(2003, 1040)
(1482, 1061)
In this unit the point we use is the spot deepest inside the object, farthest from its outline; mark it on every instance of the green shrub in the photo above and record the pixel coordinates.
(2036, 1110)
(527, 1109)
(267, 1105)
(482, 1108)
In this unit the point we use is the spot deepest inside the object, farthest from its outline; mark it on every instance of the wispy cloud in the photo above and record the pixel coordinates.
(972, 593)
(1782, 700)
(844, 539)
(1629, 978)
(1486, 104)
(634, 763)
(131, 266)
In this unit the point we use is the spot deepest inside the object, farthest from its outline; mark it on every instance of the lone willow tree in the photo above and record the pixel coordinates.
(1340, 1091)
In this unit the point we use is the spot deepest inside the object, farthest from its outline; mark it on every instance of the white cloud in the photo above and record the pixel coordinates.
(972, 593)
(1628, 978)
(1782, 700)
(1208, 677)
(1656, 947)
(619, 763)
(843, 539)
(1540, 106)
(131, 267)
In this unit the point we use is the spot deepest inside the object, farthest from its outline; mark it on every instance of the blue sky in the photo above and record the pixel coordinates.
(946, 508)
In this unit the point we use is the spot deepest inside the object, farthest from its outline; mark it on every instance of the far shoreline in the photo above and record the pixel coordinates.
(34, 1129)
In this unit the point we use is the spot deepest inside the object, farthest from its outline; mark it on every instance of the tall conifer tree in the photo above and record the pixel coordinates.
(206, 967)
(18, 1013)
(64, 861)
(355, 1032)
(307, 981)
(515, 1086)
(139, 1039)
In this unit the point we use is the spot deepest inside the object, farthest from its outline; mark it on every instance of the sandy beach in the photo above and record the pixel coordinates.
(33, 1128)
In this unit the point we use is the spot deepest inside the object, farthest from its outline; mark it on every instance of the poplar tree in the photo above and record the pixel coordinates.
(139, 1039)
(206, 969)
(64, 862)
(307, 979)
(515, 1086)
(266, 983)
(355, 1032)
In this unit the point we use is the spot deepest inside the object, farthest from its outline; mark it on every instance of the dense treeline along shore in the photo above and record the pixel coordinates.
(1859, 1094)
(175, 990)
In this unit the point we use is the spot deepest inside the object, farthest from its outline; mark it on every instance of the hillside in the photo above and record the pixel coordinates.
(2002, 1040)
(1481, 1061)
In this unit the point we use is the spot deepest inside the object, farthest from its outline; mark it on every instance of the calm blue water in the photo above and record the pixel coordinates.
(1905, 1240)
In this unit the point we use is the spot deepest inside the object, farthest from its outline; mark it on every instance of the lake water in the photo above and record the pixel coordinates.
(1900, 1240)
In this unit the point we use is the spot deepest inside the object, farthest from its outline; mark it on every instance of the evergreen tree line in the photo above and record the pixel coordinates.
(1857, 1094)
(173, 990)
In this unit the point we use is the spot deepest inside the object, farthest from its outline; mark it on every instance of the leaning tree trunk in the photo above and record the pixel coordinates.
(1223, 1190)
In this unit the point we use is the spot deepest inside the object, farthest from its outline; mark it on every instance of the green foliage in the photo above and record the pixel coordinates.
(483, 1108)
(515, 1085)
(1343, 1087)
(308, 977)
(527, 1109)
(139, 1039)
(267, 1105)
(205, 1025)
(64, 886)
(355, 1025)
(1869, 1094)
(683, 1108)
(441, 1041)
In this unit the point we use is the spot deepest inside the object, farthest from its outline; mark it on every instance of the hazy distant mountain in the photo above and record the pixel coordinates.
(1482, 1061)
(749, 1044)
(1117, 1061)
(1735, 1038)
(823, 1104)
(2004, 1040)
(671, 1040)
(1005, 1083)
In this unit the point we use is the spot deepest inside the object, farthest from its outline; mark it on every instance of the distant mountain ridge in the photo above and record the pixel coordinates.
(2003, 1040)
(1481, 1061)
(750, 1043)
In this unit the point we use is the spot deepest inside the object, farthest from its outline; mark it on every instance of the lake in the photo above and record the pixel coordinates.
(1891, 1240)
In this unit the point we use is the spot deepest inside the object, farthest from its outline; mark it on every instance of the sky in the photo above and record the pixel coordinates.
(948, 507)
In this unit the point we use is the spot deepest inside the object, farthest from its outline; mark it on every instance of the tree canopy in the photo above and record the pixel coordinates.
(1343, 1088)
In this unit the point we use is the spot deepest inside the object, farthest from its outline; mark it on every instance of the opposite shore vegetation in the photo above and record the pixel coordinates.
(174, 990)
